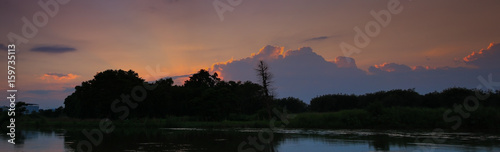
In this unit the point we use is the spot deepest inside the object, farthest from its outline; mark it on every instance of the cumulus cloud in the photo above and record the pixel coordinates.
(345, 62)
(269, 52)
(58, 76)
(53, 49)
(296, 72)
(485, 58)
(304, 74)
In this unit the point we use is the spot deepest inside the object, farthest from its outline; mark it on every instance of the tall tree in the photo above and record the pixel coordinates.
(265, 80)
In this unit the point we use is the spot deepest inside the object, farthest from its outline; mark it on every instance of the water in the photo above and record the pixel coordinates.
(221, 140)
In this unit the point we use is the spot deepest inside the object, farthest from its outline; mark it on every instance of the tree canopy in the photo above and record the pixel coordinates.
(93, 98)
(203, 95)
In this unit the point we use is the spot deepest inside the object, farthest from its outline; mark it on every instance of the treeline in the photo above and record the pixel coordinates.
(206, 97)
(404, 98)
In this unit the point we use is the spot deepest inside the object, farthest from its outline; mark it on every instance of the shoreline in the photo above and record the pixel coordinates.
(399, 118)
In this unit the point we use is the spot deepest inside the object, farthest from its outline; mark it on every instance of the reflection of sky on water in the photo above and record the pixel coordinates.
(301, 143)
(34, 141)
(285, 141)
(311, 144)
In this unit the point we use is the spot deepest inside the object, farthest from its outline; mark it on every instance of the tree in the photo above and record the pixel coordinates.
(265, 80)
(159, 102)
(204, 96)
(294, 105)
(202, 79)
(93, 98)
(265, 77)
(333, 102)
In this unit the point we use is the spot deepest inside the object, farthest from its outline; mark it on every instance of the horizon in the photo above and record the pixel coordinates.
(312, 48)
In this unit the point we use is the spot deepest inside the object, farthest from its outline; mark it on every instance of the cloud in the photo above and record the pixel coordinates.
(3, 47)
(317, 38)
(44, 92)
(345, 62)
(485, 58)
(53, 49)
(180, 76)
(301, 73)
(58, 76)
(46, 98)
(304, 74)
(269, 52)
(170, 1)
(40, 92)
(389, 67)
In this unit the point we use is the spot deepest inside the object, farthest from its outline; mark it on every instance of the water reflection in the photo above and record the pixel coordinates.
(380, 143)
(179, 139)
(35, 140)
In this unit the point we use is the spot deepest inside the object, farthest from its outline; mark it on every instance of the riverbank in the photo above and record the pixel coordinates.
(483, 119)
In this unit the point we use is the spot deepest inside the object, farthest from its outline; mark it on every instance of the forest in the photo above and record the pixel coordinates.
(204, 97)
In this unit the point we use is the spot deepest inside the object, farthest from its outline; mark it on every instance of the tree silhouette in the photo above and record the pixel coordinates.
(265, 80)
(293, 105)
(202, 79)
(93, 98)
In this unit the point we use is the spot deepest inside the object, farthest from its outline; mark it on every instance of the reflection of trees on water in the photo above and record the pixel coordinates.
(380, 142)
(226, 140)
(143, 139)
(161, 139)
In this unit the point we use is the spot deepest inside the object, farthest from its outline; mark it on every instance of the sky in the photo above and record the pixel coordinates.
(312, 47)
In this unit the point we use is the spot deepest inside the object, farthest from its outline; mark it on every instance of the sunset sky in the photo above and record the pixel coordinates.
(426, 45)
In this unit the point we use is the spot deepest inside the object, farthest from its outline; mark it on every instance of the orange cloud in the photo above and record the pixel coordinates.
(475, 55)
(58, 76)
(269, 52)
(383, 67)
(389, 67)
(414, 68)
(217, 67)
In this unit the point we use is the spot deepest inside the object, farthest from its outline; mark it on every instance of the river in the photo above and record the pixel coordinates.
(249, 140)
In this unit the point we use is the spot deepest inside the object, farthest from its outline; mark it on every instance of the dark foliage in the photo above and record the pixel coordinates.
(402, 98)
(293, 105)
(203, 96)
(93, 98)
(206, 97)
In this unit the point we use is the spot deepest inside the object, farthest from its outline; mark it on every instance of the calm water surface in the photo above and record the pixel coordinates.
(221, 140)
